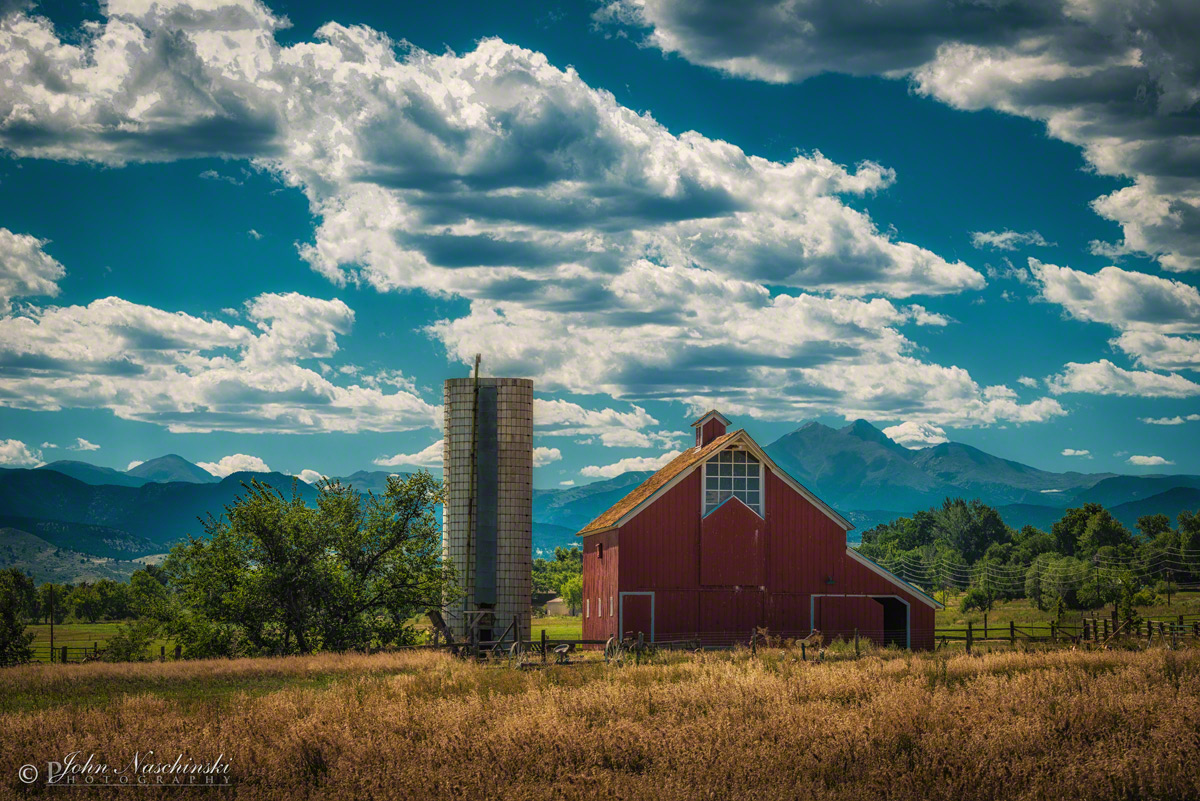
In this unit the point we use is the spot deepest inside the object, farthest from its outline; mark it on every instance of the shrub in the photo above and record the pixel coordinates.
(976, 599)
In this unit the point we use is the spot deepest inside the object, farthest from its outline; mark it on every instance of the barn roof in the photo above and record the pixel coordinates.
(640, 493)
(684, 463)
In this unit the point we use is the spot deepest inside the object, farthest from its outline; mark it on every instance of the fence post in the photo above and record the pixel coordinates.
(1053, 631)
(1149, 631)
(95, 647)
(803, 653)
(63, 659)
(970, 636)
(985, 627)
(1012, 632)
(162, 653)
(1106, 628)
(178, 651)
(543, 645)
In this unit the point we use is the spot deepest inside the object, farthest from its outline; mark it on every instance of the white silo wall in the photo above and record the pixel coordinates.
(514, 500)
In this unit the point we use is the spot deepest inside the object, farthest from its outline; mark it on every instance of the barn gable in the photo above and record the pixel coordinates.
(721, 541)
(684, 465)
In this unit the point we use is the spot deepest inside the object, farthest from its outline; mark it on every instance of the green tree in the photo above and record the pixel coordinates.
(17, 599)
(276, 576)
(1152, 526)
(1070, 527)
(114, 599)
(148, 596)
(85, 603)
(549, 574)
(572, 592)
(1030, 543)
(1102, 531)
(969, 528)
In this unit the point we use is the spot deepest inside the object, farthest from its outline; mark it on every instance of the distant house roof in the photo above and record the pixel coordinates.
(643, 491)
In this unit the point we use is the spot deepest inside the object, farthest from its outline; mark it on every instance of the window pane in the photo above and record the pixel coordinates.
(710, 499)
(739, 484)
(739, 457)
(752, 500)
(711, 483)
(726, 484)
(750, 459)
(739, 469)
(752, 483)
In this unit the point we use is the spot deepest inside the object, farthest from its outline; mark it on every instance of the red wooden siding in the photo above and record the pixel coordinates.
(732, 546)
(720, 576)
(710, 431)
(600, 586)
(838, 616)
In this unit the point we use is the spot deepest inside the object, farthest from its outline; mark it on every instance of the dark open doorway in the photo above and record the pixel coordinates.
(895, 622)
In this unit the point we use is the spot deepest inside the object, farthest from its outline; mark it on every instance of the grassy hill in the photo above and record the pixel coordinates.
(46, 562)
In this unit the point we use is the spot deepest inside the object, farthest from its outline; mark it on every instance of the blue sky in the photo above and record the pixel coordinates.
(262, 235)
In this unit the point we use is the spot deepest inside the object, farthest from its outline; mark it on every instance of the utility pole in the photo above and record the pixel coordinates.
(51, 622)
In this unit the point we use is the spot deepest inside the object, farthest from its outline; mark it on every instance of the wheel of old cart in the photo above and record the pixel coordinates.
(611, 649)
(514, 650)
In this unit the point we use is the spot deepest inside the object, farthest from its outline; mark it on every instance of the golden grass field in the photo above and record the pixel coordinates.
(1053, 724)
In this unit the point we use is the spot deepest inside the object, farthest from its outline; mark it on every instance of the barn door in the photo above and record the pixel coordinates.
(637, 614)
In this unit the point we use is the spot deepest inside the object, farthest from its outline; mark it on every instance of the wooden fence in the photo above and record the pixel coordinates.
(1089, 629)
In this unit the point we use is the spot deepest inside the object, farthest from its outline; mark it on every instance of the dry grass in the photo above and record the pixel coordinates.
(1055, 724)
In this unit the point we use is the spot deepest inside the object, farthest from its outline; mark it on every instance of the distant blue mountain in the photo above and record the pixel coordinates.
(93, 474)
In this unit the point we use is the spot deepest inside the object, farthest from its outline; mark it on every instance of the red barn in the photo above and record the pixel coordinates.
(721, 541)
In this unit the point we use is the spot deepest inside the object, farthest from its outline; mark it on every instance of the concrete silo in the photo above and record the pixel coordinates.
(488, 513)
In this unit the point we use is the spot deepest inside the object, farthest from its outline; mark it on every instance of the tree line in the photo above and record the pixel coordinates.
(270, 576)
(562, 576)
(1088, 559)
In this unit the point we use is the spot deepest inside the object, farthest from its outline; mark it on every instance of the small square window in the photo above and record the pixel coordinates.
(600, 550)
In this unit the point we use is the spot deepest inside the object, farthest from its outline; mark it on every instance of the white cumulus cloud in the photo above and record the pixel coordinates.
(916, 435)
(134, 464)
(196, 375)
(1105, 378)
(1086, 454)
(235, 463)
(427, 457)
(1118, 80)
(1148, 461)
(82, 444)
(309, 476)
(25, 269)
(1007, 240)
(544, 456)
(1177, 420)
(15, 453)
(631, 463)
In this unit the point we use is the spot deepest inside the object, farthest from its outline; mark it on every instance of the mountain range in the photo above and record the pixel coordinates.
(93, 514)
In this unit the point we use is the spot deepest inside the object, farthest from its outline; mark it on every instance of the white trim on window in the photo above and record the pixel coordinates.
(760, 504)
